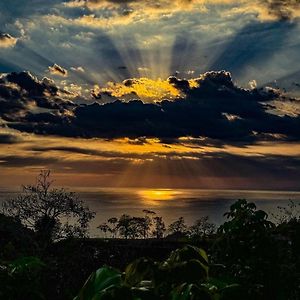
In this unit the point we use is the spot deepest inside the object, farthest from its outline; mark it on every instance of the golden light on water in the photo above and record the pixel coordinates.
(154, 196)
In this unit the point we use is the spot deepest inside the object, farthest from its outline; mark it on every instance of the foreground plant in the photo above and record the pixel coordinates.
(183, 276)
(21, 279)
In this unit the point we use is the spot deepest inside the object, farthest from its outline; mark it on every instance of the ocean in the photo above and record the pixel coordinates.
(171, 203)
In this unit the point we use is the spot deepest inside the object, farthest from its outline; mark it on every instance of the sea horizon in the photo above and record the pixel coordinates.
(81, 188)
(171, 204)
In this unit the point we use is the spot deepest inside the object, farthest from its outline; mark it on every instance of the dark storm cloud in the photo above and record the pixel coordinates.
(7, 138)
(20, 93)
(25, 161)
(217, 110)
(31, 85)
(282, 9)
(269, 165)
(109, 167)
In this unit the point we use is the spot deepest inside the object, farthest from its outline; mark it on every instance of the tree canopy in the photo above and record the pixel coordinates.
(53, 213)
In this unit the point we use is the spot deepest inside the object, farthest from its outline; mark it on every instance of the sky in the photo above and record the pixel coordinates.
(140, 93)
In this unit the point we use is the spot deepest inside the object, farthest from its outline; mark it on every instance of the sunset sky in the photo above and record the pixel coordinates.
(171, 94)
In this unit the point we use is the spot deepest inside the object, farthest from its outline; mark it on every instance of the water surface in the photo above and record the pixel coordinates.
(172, 203)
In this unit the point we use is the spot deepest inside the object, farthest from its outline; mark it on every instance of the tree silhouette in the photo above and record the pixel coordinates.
(159, 227)
(53, 213)
(178, 226)
(113, 226)
(202, 228)
(104, 228)
(125, 226)
(146, 223)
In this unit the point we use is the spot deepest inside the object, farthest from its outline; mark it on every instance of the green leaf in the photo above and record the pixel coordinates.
(98, 281)
(24, 264)
(140, 270)
(188, 252)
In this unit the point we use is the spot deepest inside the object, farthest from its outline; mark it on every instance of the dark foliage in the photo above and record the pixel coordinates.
(257, 254)
(52, 213)
(15, 239)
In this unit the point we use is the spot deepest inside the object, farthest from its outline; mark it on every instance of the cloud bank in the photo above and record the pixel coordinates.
(266, 9)
(22, 94)
(210, 106)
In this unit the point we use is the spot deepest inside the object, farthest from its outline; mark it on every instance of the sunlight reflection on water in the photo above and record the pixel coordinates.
(172, 203)
(154, 196)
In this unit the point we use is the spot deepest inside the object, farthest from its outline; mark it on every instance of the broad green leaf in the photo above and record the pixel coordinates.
(98, 281)
(189, 253)
(140, 270)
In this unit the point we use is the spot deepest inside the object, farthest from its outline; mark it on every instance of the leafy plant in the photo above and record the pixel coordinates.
(183, 276)
(21, 279)
(100, 284)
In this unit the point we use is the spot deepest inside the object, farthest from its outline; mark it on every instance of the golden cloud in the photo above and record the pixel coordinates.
(147, 9)
(143, 88)
(7, 41)
(58, 70)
